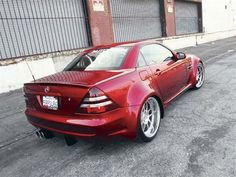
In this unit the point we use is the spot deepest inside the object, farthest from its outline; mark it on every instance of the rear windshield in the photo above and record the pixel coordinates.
(102, 59)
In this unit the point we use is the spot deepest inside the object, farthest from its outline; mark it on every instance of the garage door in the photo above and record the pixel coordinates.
(186, 14)
(32, 27)
(134, 20)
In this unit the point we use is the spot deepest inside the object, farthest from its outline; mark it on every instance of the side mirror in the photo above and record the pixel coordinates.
(180, 55)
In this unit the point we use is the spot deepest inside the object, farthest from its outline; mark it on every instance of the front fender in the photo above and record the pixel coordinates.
(195, 61)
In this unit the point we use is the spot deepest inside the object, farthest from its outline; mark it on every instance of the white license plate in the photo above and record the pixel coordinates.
(50, 102)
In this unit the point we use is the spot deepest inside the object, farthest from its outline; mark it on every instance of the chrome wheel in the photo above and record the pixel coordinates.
(200, 76)
(150, 117)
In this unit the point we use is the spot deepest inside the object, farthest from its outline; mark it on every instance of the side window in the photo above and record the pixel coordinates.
(155, 53)
(141, 61)
(84, 62)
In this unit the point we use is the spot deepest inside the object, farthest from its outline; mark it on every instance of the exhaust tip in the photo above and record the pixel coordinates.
(37, 134)
(44, 134)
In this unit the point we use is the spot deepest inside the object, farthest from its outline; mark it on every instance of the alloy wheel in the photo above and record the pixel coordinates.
(200, 76)
(150, 117)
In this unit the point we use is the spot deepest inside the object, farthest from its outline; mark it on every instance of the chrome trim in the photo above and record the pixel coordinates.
(99, 98)
(47, 89)
(95, 105)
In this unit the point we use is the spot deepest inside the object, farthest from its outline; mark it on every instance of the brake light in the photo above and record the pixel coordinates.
(96, 102)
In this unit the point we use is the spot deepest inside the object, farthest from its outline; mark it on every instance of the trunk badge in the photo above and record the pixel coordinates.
(47, 89)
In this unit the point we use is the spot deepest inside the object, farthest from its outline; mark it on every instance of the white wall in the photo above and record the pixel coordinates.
(218, 15)
(13, 76)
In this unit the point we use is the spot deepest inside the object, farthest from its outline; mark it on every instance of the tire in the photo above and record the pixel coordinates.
(70, 140)
(200, 76)
(149, 120)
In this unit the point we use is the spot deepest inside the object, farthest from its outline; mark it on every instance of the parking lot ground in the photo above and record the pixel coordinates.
(197, 137)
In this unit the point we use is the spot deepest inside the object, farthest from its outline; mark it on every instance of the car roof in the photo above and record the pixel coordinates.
(134, 45)
(128, 44)
(122, 44)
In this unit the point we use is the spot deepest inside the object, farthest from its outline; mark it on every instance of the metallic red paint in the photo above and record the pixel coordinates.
(127, 87)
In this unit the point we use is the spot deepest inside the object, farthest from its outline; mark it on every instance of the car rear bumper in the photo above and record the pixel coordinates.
(122, 121)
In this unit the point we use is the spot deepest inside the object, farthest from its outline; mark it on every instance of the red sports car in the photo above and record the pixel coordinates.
(119, 89)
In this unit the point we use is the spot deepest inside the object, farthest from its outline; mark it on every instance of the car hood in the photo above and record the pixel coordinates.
(82, 78)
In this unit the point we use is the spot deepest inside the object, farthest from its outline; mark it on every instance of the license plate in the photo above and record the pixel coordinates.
(50, 102)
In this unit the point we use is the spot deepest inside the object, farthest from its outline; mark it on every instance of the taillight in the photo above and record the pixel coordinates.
(96, 102)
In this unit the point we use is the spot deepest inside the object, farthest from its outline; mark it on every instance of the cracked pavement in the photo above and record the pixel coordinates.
(197, 137)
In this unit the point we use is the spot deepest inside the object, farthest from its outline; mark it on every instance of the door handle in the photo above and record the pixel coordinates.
(157, 72)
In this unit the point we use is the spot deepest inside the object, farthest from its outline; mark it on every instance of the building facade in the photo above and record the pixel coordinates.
(49, 33)
(37, 27)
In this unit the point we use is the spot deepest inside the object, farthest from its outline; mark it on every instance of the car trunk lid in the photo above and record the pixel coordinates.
(66, 89)
(80, 78)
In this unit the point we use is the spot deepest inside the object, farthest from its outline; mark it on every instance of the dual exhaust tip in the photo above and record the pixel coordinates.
(46, 134)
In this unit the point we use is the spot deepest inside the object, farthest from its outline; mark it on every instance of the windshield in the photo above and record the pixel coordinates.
(102, 59)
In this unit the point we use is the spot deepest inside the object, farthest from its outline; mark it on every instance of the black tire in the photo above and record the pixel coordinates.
(70, 140)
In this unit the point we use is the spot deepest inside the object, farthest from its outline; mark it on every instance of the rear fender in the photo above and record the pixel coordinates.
(139, 93)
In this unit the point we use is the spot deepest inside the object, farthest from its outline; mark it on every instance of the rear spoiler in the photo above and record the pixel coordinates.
(58, 83)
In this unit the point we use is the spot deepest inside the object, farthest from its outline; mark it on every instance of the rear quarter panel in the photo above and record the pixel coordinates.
(129, 89)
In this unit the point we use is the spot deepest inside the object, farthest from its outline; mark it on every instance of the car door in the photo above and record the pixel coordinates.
(169, 74)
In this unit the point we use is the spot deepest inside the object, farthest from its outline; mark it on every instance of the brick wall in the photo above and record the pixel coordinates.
(100, 22)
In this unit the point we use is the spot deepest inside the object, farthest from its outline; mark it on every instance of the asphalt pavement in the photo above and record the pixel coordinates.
(197, 137)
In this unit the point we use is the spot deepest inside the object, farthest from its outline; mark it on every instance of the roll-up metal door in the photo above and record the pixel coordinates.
(135, 19)
(30, 27)
(186, 14)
